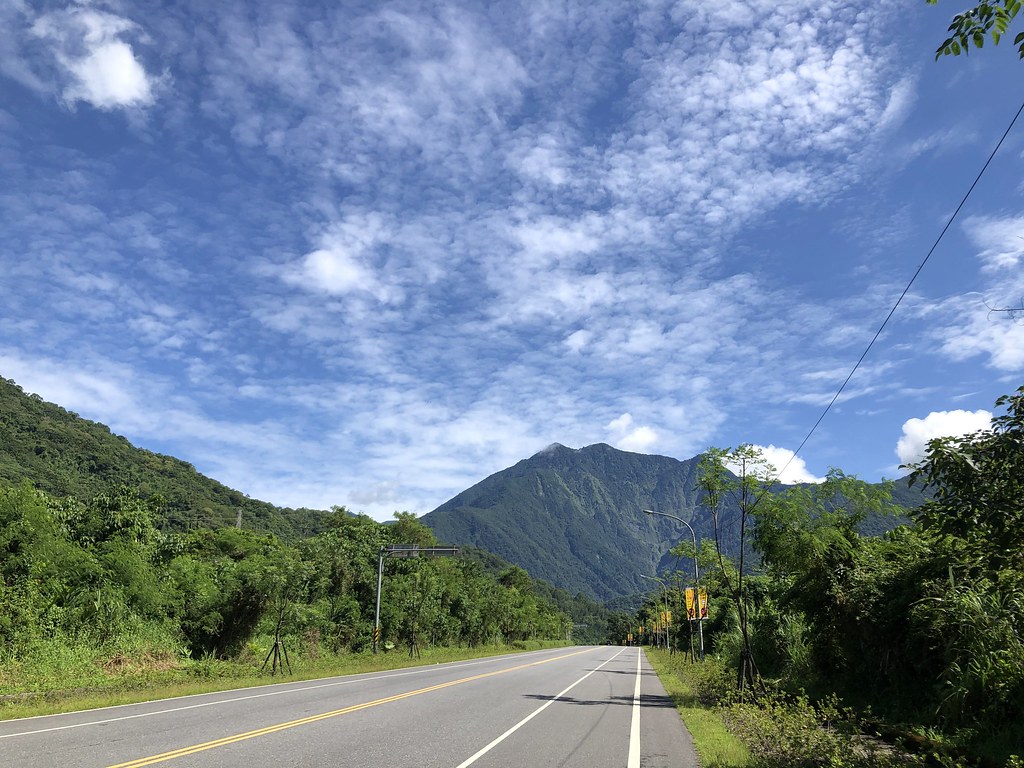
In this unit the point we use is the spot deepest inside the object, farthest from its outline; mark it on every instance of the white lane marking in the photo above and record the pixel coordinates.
(634, 730)
(470, 760)
(347, 681)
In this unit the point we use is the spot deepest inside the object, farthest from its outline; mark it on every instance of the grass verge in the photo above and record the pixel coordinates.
(716, 746)
(103, 681)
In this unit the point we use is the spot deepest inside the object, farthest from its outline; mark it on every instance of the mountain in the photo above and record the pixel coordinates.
(65, 455)
(573, 517)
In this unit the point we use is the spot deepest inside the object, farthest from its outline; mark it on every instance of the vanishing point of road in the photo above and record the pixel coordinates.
(583, 707)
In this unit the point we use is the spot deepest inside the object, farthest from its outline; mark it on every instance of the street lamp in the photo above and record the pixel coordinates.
(664, 597)
(696, 574)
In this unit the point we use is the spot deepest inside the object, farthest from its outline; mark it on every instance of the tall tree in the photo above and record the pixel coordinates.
(742, 473)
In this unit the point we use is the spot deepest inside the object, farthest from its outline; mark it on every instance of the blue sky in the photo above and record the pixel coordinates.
(369, 253)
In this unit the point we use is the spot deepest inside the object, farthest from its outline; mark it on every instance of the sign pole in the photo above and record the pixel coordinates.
(376, 615)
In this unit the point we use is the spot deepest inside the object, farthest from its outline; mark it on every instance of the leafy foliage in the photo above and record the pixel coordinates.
(973, 26)
(100, 573)
(922, 625)
(978, 480)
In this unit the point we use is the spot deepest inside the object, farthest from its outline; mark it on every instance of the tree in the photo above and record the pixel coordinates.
(741, 472)
(808, 539)
(978, 482)
(971, 27)
(976, 524)
(225, 582)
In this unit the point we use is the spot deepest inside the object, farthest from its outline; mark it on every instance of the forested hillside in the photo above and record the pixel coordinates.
(65, 455)
(112, 556)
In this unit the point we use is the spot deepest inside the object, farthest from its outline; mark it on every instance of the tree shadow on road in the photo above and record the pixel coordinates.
(645, 701)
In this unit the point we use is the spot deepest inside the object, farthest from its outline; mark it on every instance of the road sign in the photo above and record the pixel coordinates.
(415, 550)
(402, 551)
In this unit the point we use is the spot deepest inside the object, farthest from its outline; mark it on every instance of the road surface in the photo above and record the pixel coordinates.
(583, 707)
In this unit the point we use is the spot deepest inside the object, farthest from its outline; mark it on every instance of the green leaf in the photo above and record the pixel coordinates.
(956, 48)
(979, 40)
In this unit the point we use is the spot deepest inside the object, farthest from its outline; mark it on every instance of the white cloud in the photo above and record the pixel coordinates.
(639, 440)
(110, 76)
(104, 69)
(73, 388)
(917, 432)
(982, 333)
(966, 327)
(627, 437)
(577, 341)
(779, 464)
(345, 261)
(901, 101)
(1001, 240)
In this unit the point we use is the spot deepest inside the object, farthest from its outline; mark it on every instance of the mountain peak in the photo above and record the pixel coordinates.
(553, 448)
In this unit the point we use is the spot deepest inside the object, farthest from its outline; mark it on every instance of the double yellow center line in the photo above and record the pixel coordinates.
(191, 750)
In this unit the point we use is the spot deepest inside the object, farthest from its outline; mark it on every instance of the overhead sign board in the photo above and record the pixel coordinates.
(415, 550)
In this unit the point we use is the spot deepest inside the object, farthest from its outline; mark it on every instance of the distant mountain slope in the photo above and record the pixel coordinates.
(66, 455)
(574, 517)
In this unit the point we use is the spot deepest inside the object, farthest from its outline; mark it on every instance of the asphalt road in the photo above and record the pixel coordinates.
(584, 707)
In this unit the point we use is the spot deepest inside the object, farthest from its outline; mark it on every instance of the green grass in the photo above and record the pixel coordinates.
(715, 745)
(73, 679)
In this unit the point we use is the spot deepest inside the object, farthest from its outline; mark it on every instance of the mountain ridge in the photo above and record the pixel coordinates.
(581, 530)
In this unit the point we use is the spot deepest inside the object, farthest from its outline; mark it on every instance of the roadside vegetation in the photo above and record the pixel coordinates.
(842, 649)
(94, 598)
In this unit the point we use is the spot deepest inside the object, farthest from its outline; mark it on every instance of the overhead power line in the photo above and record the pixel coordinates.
(895, 306)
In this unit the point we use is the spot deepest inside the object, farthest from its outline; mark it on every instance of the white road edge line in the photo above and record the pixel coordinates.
(469, 761)
(348, 681)
(634, 730)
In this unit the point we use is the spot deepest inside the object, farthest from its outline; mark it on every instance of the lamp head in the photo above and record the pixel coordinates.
(647, 511)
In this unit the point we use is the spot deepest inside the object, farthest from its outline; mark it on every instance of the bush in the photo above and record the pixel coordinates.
(797, 734)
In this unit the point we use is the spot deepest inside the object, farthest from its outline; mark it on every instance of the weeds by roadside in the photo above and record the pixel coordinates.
(66, 677)
(775, 732)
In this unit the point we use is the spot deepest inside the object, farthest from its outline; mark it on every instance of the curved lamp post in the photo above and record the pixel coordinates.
(696, 573)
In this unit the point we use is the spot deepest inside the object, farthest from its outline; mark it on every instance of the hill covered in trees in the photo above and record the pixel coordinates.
(99, 578)
(63, 454)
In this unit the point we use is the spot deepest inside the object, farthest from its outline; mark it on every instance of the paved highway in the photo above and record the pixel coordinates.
(584, 707)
